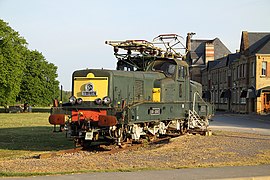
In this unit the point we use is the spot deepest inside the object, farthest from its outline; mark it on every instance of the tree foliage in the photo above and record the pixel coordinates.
(12, 58)
(39, 85)
(25, 75)
(65, 96)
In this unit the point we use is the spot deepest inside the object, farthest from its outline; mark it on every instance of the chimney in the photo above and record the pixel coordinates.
(209, 52)
(244, 42)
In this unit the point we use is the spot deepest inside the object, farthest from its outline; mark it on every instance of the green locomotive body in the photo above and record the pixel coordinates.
(115, 106)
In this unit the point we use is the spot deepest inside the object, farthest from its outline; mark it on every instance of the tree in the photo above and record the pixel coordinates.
(25, 75)
(12, 57)
(65, 96)
(39, 85)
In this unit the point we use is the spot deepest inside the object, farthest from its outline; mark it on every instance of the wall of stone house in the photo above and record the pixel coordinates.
(261, 81)
(233, 107)
(252, 79)
(242, 108)
(239, 108)
(196, 74)
(204, 80)
(243, 83)
(224, 106)
(258, 105)
(251, 105)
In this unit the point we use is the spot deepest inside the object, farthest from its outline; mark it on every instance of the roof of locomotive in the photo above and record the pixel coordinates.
(172, 60)
(84, 72)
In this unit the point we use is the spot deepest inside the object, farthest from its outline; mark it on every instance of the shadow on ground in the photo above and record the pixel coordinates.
(37, 138)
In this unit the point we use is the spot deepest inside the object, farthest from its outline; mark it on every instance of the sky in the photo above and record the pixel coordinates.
(71, 33)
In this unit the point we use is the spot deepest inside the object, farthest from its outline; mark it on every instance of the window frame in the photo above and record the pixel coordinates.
(264, 69)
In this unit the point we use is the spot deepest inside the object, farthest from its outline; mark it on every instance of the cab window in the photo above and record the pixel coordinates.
(167, 68)
(181, 72)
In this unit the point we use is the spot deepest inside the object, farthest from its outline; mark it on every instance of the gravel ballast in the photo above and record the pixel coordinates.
(220, 149)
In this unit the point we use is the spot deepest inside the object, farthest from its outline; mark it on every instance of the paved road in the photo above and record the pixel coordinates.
(248, 172)
(241, 123)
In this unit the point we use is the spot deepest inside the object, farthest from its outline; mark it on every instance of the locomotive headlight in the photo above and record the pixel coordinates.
(72, 99)
(79, 100)
(98, 101)
(107, 100)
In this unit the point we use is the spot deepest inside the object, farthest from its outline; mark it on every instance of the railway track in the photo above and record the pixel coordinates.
(107, 149)
(112, 149)
(58, 153)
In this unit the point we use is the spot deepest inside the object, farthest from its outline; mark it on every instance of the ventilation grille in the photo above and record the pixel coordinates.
(138, 90)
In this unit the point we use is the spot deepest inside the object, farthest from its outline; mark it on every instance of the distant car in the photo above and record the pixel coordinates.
(15, 109)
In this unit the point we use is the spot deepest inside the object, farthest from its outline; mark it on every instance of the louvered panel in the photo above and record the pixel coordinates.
(138, 96)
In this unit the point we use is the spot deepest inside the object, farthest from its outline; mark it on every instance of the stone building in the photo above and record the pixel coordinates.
(251, 77)
(217, 81)
(240, 82)
(200, 52)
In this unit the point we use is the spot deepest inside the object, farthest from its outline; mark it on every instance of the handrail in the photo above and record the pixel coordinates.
(194, 99)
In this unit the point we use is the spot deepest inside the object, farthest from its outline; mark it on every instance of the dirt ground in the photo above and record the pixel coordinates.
(220, 149)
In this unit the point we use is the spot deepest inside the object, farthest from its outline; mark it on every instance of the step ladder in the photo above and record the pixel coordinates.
(195, 122)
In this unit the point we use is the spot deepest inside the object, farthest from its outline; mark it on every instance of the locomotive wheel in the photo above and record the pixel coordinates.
(151, 138)
(121, 135)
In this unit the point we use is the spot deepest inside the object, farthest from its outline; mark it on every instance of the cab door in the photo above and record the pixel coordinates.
(181, 83)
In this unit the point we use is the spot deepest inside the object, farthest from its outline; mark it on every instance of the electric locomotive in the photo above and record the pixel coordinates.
(155, 97)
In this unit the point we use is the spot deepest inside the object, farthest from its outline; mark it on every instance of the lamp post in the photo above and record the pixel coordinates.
(212, 94)
(234, 96)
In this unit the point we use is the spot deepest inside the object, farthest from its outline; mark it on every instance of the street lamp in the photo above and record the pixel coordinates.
(212, 94)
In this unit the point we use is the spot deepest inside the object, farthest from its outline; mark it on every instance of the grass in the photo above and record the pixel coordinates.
(27, 134)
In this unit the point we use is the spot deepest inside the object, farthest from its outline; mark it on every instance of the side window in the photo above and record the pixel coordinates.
(252, 69)
(181, 72)
(264, 65)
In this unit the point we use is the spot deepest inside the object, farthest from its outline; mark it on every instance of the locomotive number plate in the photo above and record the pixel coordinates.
(89, 136)
(154, 111)
(89, 93)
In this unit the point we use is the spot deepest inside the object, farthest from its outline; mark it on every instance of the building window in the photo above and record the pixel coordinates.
(264, 65)
(237, 97)
(244, 70)
(221, 98)
(243, 100)
(234, 96)
(252, 69)
(238, 71)
(241, 70)
(226, 76)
